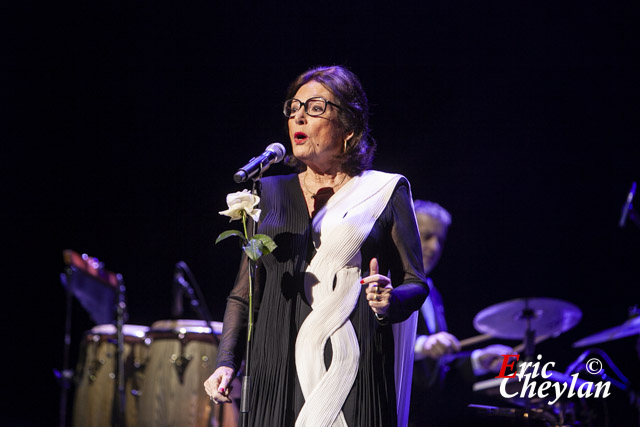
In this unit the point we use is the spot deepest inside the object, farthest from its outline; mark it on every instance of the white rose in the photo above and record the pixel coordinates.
(242, 201)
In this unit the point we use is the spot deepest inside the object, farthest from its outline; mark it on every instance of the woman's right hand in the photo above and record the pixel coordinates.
(217, 385)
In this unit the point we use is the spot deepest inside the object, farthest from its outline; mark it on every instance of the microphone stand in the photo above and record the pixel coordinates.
(628, 210)
(246, 378)
(195, 296)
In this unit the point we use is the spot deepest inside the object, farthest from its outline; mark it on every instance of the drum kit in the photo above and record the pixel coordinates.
(135, 375)
(534, 320)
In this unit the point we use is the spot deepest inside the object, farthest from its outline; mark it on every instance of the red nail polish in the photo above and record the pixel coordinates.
(221, 390)
(362, 282)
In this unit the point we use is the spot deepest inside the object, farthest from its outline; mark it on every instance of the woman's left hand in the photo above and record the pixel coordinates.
(378, 289)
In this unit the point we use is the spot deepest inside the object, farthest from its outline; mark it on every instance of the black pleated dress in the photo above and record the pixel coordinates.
(281, 307)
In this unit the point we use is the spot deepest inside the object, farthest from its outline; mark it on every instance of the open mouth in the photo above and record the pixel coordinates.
(299, 137)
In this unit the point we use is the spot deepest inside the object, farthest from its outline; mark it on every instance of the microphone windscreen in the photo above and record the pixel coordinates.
(279, 151)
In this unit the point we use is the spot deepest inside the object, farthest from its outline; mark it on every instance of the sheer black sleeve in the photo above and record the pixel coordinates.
(234, 329)
(407, 274)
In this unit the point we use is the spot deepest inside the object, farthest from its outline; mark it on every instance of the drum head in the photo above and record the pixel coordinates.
(186, 326)
(137, 331)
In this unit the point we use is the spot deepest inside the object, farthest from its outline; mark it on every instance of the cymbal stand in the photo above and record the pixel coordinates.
(578, 365)
(529, 349)
(621, 383)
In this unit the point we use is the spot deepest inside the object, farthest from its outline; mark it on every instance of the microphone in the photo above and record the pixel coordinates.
(273, 154)
(182, 286)
(627, 208)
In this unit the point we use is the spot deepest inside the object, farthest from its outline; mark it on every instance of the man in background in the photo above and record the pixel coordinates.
(443, 376)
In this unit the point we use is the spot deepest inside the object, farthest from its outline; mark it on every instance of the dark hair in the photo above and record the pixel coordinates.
(353, 115)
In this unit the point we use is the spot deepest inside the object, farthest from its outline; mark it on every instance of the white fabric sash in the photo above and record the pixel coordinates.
(404, 337)
(345, 223)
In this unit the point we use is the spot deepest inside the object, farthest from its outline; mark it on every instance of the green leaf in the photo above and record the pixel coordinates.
(254, 249)
(261, 244)
(269, 244)
(230, 233)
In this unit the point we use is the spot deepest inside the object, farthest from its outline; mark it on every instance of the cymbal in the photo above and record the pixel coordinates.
(509, 319)
(628, 328)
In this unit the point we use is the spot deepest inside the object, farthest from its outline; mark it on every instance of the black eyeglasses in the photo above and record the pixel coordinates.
(314, 106)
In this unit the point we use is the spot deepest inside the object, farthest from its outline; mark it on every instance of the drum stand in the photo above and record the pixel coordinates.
(118, 416)
(65, 375)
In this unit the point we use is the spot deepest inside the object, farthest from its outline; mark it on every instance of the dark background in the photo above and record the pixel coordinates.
(125, 121)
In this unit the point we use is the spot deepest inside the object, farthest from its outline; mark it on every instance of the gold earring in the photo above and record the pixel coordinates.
(345, 145)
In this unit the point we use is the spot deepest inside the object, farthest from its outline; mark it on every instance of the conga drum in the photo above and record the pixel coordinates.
(182, 355)
(96, 376)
